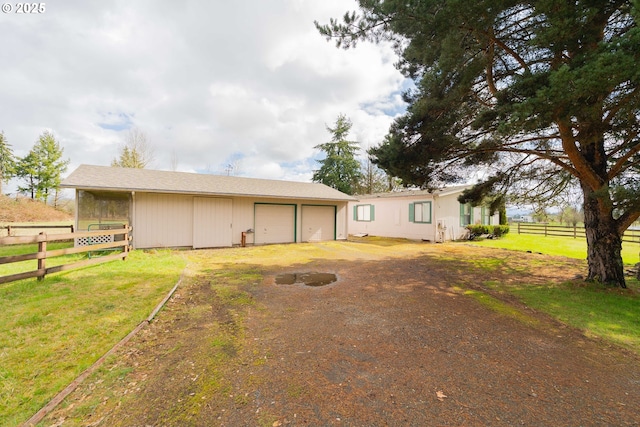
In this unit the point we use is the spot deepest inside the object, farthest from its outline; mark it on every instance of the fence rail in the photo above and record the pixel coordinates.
(11, 229)
(42, 254)
(631, 236)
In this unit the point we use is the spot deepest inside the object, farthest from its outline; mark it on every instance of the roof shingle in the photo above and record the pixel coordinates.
(89, 177)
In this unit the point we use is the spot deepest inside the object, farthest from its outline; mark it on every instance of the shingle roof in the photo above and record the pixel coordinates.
(411, 193)
(107, 178)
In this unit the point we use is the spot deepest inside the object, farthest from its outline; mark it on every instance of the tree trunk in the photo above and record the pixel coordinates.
(604, 243)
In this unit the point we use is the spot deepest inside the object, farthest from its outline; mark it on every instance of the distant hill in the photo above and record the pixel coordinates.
(26, 210)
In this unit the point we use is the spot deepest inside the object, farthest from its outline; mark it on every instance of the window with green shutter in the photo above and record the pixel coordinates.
(364, 213)
(420, 212)
(466, 214)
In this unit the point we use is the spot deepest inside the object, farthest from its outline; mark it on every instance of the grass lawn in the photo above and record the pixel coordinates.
(550, 245)
(598, 311)
(54, 329)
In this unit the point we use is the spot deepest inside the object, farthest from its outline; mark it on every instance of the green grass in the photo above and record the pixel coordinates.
(608, 313)
(54, 329)
(549, 245)
(601, 312)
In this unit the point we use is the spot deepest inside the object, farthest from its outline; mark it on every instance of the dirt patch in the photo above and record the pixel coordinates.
(393, 342)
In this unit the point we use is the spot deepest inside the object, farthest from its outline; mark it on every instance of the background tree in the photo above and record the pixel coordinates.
(42, 168)
(373, 179)
(7, 161)
(136, 152)
(541, 94)
(339, 169)
(571, 215)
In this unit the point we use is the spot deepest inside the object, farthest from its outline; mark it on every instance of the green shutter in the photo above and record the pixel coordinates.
(373, 213)
(461, 215)
(411, 213)
(355, 213)
(471, 209)
(482, 215)
(430, 213)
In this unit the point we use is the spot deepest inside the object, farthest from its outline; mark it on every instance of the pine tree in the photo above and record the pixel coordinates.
(7, 161)
(339, 169)
(42, 168)
(543, 95)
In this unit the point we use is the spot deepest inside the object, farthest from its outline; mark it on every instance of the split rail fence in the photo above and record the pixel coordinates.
(120, 243)
(632, 236)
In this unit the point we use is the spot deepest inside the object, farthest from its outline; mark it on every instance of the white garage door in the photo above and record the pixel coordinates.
(275, 224)
(318, 223)
(211, 222)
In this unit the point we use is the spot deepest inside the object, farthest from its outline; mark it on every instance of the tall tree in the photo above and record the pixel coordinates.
(543, 92)
(42, 168)
(136, 152)
(374, 180)
(7, 161)
(339, 169)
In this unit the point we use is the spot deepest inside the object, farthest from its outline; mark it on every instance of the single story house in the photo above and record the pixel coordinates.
(417, 214)
(178, 209)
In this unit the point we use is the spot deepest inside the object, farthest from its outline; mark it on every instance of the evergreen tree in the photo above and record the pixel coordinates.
(339, 169)
(544, 94)
(42, 168)
(7, 161)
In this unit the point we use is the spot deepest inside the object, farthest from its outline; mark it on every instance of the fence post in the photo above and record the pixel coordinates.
(575, 231)
(545, 229)
(518, 228)
(126, 239)
(42, 253)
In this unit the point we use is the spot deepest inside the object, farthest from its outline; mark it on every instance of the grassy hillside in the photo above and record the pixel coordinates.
(27, 210)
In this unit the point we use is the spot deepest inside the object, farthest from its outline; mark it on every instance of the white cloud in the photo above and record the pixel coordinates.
(213, 82)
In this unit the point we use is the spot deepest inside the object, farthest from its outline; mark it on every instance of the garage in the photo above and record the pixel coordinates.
(318, 223)
(275, 223)
(180, 209)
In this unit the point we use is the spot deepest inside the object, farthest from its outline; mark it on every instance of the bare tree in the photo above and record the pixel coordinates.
(174, 161)
(136, 152)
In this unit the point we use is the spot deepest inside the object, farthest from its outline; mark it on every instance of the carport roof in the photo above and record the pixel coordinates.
(105, 178)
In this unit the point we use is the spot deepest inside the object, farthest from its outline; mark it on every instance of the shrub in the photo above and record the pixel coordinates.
(478, 229)
(491, 230)
(500, 230)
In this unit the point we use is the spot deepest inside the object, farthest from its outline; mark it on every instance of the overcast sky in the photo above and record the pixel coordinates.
(244, 82)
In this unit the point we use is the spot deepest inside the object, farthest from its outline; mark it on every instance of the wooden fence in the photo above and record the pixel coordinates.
(42, 254)
(11, 229)
(632, 236)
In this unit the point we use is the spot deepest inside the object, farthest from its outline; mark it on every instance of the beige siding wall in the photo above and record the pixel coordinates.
(242, 220)
(391, 219)
(448, 217)
(162, 220)
(166, 220)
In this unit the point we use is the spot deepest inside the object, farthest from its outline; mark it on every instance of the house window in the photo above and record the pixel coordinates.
(420, 212)
(486, 216)
(363, 213)
(466, 214)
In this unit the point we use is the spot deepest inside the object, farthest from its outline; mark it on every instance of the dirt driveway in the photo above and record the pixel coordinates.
(393, 342)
